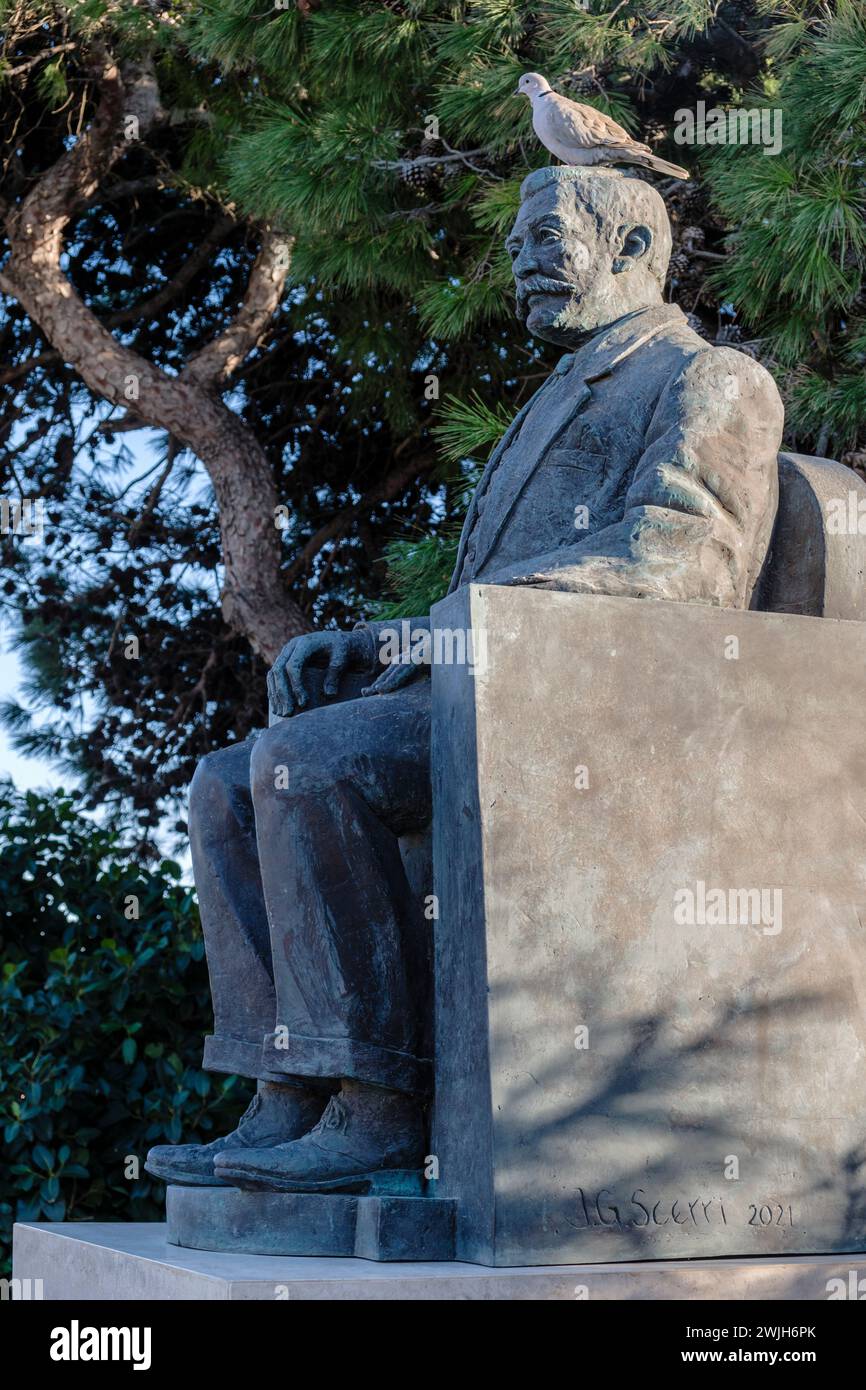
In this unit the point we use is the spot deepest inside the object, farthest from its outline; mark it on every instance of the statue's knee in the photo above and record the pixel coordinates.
(277, 761)
(288, 759)
(205, 786)
(213, 795)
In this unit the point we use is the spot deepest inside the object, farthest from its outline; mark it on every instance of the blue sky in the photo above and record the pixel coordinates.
(25, 772)
(140, 450)
(41, 773)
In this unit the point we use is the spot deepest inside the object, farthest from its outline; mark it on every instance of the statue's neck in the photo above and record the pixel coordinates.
(614, 323)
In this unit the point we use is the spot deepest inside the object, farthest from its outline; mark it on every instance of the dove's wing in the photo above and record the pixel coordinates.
(572, 123)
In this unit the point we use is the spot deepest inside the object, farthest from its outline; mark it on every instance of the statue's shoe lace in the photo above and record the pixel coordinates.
(361, 1144)
(275, 1115)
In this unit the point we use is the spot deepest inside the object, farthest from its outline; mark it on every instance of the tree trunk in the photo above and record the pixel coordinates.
(255, 600)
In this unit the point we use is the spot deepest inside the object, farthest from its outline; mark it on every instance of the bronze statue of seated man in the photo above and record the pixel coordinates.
(645, 466)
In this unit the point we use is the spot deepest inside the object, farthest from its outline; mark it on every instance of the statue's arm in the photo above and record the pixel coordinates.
(700, 507)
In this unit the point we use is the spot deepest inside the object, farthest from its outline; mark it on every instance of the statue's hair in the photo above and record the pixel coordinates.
(615, 199)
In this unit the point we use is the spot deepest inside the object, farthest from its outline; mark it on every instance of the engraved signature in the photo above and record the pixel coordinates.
(606, 1208)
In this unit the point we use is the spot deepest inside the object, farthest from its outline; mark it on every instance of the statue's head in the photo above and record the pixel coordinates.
(588, 246)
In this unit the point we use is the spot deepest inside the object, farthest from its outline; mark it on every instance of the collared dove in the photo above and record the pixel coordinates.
(579, 134)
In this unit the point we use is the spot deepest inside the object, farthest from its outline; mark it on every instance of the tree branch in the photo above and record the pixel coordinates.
(424, 161)
(149, 307)
(192, 266)
(215, 363)
(42, 57)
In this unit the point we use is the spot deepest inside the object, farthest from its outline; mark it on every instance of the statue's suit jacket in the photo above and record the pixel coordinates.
(646, 465)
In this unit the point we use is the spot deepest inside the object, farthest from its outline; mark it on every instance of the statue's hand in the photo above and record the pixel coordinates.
(344, 651)
(394, 677)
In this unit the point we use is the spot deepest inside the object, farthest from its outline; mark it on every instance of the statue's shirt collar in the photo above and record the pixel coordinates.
(612, 345)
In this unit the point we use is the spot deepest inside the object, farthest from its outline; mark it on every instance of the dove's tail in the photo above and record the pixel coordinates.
(661, 166)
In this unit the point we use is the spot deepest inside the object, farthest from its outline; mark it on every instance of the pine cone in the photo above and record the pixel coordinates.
(679, 264)
(583, 81)
(418, 176)
(691, 199)
(699, 326)
(693, 236)
(729, 333)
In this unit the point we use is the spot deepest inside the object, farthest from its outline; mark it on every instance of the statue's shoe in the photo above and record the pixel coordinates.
(359, 1145)
(275, 1115)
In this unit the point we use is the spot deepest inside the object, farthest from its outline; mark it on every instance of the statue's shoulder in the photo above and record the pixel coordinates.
(722, 371)
(682, 355)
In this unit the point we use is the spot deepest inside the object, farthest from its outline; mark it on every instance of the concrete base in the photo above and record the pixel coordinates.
(115, 1262)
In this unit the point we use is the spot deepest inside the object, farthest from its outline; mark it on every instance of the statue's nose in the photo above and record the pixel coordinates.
(524, 263)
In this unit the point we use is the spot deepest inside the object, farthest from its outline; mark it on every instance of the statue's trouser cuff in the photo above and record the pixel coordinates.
(345, 1057)
(243, 1057)
(235, 1056)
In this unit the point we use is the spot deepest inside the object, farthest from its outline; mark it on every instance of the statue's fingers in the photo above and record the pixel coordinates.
(279, 695)
(296, 663)
(336, 666)
(392, 678)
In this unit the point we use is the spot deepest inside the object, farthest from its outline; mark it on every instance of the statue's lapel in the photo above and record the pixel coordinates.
(551, 424)
(489, 468)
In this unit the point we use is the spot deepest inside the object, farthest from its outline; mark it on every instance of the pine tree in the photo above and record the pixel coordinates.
(406, 186)
(132, 545)
(797, 268)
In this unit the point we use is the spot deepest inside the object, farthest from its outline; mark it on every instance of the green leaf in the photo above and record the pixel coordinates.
(43, 1157)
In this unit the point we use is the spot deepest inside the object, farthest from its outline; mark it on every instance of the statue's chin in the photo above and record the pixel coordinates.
(554, 317)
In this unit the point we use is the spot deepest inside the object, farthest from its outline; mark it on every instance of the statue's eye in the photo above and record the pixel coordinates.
(548, 234)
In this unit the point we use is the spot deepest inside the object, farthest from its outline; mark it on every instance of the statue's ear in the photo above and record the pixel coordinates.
(635, 242)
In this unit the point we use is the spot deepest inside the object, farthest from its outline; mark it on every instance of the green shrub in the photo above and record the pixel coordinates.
(104, 1002)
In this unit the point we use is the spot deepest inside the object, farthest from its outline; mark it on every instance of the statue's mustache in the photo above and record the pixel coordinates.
(542, 284)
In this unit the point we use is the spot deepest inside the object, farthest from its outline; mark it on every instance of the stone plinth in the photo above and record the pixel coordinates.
(308, 1223)
(93, 1260)
(651, 952)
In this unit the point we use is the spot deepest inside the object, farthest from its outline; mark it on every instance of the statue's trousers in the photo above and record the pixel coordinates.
(319, 953)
